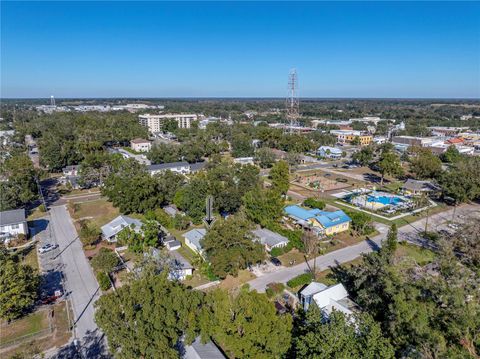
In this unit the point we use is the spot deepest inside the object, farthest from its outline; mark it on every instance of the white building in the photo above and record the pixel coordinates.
(155, 123)
(327, 299)
(140, 145)
(111, 230)
(329, 152)
(12, 223)
(193, 239)
(244, 160)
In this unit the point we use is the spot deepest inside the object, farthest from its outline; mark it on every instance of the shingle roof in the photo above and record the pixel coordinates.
(415, 185)
(197, 350)
(269, 238)
(13, 216)
(139, 140)
(179, 261)
(112, 228)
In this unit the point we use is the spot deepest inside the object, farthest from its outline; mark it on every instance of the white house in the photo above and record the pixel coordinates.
(71, 170)
(270, 239)
(12, 223)
(193, 239)
(140, 145)
(180, 268)
(327, 299)
(244, 160)
(178, 167)
(113, 228)
(171, 243)
(329, 152)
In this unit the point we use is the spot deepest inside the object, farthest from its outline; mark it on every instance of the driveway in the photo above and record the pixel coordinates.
(409, 232)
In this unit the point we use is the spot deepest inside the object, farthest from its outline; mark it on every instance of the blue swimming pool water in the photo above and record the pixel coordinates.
(384, 199)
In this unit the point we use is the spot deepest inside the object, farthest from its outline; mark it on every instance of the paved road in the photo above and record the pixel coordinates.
(81, 285)
(409, 232)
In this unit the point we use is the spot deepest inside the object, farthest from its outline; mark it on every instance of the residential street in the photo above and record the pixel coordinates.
(80, 283)
(408, 232)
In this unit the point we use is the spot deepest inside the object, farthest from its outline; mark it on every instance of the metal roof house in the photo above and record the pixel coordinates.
(12, 223)
(180, 268)
(182, 167)
(113, 228)
(327, 299)
(193, 239)
(329, 152)
(270, 239)
(329, 222)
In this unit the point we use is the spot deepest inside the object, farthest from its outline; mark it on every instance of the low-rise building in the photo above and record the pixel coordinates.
(111, 230)
(329, 152)
(194, 238)
(270, 239)
(324, 222)
(155, 123)
(171, 243)
(347, 136)
(327, 299)
(178, 167)
(140, 145)
(198, 350)
(243, 160)
(12, 224)
(71, 170)
(414, 187)
(180, 268)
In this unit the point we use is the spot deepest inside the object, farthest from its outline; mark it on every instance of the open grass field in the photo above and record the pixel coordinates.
(231, 283)
(30, 256)
(29, 325)
(28, 348)
(99, 211)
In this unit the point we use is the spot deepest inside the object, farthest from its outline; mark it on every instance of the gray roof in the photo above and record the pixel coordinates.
(179, 261)
(313, 288)
(269, 238)
(13, 216)
(170, 210)
(172, 243)
(166, 166)
(195, 236)
(415, 185)
(115, 226)
(197, 350)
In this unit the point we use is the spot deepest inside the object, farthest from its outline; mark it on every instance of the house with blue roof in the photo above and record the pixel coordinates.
(328, 223)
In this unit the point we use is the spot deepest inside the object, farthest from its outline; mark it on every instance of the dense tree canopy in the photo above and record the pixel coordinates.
(424, 164)
(147, 317)
(19, 285)
(462, 180)
(230, 246)
(246, 325)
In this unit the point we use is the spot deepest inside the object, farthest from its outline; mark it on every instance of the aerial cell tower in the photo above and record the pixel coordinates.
(52, 101)
(293, 102)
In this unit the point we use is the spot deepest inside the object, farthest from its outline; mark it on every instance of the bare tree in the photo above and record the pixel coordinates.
(310, 244)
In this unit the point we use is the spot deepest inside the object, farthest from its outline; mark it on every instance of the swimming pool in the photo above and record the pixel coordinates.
(385, 200)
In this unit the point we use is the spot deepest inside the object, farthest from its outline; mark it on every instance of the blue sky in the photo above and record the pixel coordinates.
(226, 49)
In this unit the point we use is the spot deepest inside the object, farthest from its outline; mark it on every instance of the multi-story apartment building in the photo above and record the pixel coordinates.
(155, 122)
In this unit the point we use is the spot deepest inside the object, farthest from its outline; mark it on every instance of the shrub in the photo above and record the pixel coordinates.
(89, 233)
(21, 237)
(269, 292)
(275, 252)
(103, 281)
(314, 203)
(42, 208)
(105, 260)
(299, 280)
(276, 287)
(181, 222)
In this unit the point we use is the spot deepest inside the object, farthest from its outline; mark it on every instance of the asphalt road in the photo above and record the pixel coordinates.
(409, 232)
(80, 283)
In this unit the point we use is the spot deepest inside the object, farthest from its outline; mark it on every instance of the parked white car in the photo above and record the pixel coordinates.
(47, 248)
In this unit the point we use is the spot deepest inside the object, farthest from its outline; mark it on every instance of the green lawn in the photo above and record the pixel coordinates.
(30, 256)
(422, 256)
(28, 325)
(99, 211)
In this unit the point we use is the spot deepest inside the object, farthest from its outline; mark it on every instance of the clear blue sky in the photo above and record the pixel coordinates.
(225, 49)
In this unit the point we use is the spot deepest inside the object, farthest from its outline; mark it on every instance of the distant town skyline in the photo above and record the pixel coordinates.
(233, 49)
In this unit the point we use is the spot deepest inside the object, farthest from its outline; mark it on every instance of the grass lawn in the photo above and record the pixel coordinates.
(36, 214)
(231, 282)
(422, 256)
(196, 280)
(32, 323)
(30, 256)
(99, 211)
(60, 336)
(293, 255)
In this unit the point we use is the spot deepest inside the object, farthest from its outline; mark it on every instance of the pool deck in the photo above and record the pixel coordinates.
(432, 204)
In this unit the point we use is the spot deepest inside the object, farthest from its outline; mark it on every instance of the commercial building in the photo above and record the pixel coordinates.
(348, 136)
(329, 152)
(155, 123)
(140, 145)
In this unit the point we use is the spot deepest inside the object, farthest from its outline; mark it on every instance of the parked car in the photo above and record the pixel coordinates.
(47, 248)
(339, 179)
(275, 261)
